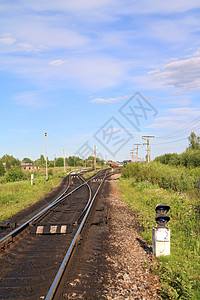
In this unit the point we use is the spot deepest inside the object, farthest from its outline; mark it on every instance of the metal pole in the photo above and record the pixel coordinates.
(46, 155)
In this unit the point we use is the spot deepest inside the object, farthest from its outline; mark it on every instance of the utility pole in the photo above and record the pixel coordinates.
(95, 155)
(137, 152)
(46, 155)
(147, 137)
(132, 154)
(64, 159)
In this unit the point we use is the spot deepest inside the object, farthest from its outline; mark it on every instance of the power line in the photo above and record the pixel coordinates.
(170, 142)
(187, 127)
(177, 137)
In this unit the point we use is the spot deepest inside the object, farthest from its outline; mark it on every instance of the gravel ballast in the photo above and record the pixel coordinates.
(128, 253)
(113, 260)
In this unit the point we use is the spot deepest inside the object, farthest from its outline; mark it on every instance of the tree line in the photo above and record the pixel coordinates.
(189, 158)
(10, 167)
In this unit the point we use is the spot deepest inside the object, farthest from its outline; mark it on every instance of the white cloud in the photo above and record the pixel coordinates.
(183, 75)
(77, 6)
(109, 100)
(42, 34)
(175, 117)
(185, 111)
(7, 40)
(47, 31)
(26, 47)
(57, 62)
(93, 73)
(153, 72)
(117, 6)
(157, 6)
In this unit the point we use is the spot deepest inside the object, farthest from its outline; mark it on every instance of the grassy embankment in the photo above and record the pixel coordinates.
(15, 196)
(143, 186)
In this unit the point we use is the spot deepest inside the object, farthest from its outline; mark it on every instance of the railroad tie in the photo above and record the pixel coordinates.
(39, 229)
(52, 229)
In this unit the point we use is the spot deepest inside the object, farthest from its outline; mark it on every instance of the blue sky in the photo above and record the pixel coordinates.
(99, 73)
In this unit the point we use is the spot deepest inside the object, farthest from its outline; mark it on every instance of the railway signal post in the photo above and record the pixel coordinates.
(161, 233)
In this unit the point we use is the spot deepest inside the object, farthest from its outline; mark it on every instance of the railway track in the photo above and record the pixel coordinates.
(35, 255)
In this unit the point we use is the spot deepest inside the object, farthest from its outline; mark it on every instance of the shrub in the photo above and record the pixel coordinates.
(15, 175)
(2, 170)
(189, 158)
(168, 177)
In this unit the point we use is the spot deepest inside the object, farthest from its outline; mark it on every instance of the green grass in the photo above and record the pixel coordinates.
(17, 196)
(180, 271)
(178, 178)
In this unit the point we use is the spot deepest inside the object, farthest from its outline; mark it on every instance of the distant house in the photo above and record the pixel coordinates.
(28, 167)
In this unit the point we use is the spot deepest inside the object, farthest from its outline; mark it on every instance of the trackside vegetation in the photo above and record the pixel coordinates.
(190, 158)
(143, 186)
(16, 196)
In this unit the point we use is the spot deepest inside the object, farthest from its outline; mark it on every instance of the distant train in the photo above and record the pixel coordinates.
(114, 164)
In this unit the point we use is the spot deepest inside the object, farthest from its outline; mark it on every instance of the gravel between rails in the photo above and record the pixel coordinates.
(112, 261)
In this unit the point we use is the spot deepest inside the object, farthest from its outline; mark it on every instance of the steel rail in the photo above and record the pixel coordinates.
(63, 265)
(34, 218)
(69, 175)
(85, 208)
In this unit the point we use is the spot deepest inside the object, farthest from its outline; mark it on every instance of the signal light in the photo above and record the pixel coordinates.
(161, 215)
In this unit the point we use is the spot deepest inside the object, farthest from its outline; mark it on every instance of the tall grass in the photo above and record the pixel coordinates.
(141, 187)
(16, 196)
(168, 177)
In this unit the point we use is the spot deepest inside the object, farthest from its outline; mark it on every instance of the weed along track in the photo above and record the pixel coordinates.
(35, 255)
